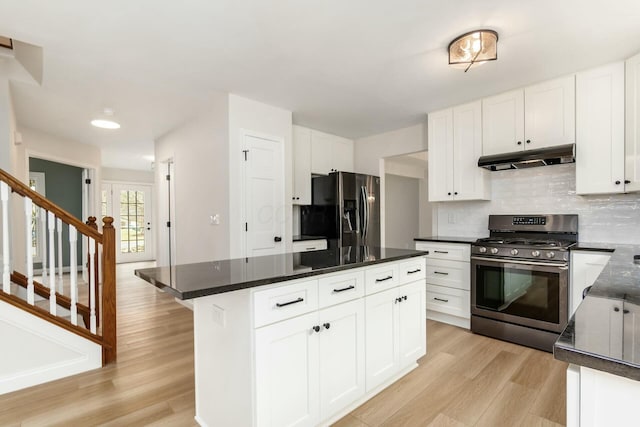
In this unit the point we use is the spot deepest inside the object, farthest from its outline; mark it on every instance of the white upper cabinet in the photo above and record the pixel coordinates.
(600, 130)
(455, 144)
(537, 116)
(330, 153)
(632, 134)
(503, 123)
(301, 166)
(550, 113)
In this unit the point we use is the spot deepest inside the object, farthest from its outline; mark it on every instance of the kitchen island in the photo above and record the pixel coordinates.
(602, 343)
(299, 339)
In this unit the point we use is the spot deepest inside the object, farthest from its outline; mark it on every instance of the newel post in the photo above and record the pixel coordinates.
(109, 291)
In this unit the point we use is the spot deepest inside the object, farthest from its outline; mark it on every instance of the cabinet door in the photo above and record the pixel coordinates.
(342, 154)
(632, 133)
(287, 382)
(321, 146)
(412, 321)
(301, 166)
(469, 181)
(341, 356)
(602, 334)
(585, 269)
(440, 144)
(503, 123)
(550, 113)
(600, 130)
(381, 337)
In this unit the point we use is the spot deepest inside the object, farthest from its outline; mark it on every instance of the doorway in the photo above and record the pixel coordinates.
(130, 205)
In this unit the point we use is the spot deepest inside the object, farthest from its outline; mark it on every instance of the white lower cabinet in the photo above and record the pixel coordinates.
(396, 331)
(306, 352)
(596, 398)
(586, 266)
(311, 366)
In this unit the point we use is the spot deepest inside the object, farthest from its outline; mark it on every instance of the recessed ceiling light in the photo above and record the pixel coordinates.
(105, 121)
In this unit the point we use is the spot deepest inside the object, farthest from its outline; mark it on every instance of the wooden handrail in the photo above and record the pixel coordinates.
(24, 190)
(44, 314)
(44, 292)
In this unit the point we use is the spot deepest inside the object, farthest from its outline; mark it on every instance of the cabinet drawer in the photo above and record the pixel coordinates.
(454, 274)
(451, 301)
(309, 245)
(412, 270)
(446, 251)
(381, 278)
(284, 302)
(340, 288)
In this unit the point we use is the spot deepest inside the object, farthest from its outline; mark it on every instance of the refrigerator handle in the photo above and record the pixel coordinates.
(365, 213)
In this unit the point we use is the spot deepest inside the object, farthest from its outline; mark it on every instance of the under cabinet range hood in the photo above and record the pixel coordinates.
(529, 158)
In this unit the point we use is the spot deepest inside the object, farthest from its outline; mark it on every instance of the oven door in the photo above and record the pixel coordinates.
(533, 294)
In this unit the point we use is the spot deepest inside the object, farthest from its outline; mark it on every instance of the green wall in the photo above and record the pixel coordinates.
(63, 186)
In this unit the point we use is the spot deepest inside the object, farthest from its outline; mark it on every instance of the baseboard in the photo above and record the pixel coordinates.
(460, 322)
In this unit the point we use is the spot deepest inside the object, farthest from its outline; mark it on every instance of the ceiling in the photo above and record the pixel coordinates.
(352, 68)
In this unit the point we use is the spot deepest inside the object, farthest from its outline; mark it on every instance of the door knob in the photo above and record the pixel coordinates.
(277, 239)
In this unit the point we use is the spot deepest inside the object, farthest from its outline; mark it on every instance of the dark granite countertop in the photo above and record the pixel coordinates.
(604, 332)
(189, 281)
(446, 239)
(595, 247)
(303, 237)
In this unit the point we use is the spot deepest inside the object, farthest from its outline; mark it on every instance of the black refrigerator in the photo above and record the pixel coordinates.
(345, 208)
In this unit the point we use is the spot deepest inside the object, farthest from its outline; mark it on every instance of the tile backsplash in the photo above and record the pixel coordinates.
(611, 218)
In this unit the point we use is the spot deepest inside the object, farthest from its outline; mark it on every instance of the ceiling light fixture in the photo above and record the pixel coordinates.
(475, 47)
(106, 121)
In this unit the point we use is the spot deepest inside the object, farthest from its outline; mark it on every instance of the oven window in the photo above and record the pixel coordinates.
(518, 292)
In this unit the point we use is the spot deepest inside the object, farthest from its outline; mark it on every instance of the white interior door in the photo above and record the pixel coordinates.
(131, 207)
(264, 195)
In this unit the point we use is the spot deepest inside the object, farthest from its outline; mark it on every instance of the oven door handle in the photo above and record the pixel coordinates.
(511, 261)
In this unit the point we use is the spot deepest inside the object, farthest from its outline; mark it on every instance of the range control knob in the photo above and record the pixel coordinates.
(535, 253)
(551, 254)
(494, 250)
(514, 252)
(482, 249)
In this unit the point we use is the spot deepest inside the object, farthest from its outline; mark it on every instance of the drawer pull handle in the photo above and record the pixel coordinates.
(441, 252)
(348, 288)
(414, 271)
(440, 272)
(384, 279)
(440, 299)
(284, 304)
(310, 249)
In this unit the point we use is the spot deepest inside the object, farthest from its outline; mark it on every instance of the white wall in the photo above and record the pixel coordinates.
(7, 122)
(200, 152)
(128, 175)
(552, 190)
(369, 150)
(249, 115)
(401, 223)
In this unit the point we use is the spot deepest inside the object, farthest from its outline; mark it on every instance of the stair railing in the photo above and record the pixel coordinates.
(54, 221)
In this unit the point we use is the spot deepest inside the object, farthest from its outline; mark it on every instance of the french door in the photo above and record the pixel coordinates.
(131, 207)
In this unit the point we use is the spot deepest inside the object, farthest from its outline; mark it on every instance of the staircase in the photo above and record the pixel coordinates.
(62, 321)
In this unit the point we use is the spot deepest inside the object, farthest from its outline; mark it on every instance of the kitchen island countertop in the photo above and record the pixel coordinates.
(446, 239)
(187, 281)
(591, 338)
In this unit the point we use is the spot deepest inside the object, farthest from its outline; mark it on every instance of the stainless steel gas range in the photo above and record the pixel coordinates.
(520, 278)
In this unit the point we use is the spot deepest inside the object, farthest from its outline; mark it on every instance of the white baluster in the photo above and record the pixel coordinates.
(43, 244)
(59, 229)
(92, 285)
(28, 215)
(73, 264)
(6, 269)
(51, 222)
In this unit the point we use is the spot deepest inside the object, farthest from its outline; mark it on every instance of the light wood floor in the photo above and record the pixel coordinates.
(465, 380)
